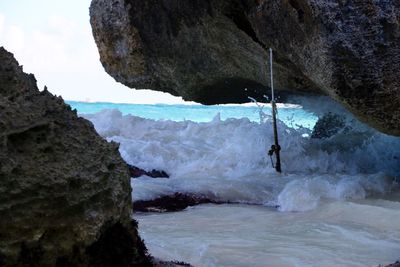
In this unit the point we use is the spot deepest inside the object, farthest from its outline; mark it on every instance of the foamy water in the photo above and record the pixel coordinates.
(226, 160)
(338, 234)
(321, 195)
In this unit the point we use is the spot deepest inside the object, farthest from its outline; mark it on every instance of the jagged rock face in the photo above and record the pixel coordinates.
(215, 51)
(64, 190)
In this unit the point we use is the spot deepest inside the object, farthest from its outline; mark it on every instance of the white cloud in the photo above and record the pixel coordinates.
(61, 23)
(15, 37)
(60, 51)
(2, 19)
(62, 27)
(47, 52)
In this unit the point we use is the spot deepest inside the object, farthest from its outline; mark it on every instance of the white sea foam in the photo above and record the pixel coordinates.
(337, 234)
(329, 192)
(227, 160)
(256, 104)
(305, 194)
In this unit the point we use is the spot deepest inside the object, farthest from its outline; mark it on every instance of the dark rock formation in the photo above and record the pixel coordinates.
(176, 202)
(158, 263)
(396, 264)
(136, 172)
(215, 51)
(328, 125)
(65, 196)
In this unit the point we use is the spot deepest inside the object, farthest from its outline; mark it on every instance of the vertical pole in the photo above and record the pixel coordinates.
(277, 148)
(271, 75)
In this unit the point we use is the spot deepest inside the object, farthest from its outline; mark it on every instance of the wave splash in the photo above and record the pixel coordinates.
(227, 160)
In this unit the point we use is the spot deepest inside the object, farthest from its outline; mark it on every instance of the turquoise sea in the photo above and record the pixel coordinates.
(292, 115)
(337, 197)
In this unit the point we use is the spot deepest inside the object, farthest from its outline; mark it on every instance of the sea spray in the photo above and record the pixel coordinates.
(335, 197)
(305, 193)
(226, 160)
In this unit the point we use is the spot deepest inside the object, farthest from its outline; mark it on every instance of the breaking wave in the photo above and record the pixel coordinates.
(227, 160)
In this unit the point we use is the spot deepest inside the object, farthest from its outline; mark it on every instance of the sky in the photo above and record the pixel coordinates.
(53, 40)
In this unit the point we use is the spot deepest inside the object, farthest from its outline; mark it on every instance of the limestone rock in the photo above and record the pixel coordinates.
(215, 51)
(65, 196)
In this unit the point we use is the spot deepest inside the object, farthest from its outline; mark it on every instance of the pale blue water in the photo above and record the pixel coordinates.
(293, 116)
(336, 189)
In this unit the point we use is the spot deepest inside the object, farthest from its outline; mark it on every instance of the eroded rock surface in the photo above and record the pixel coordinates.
(175, 202)
(136, 172)
(65, 196)
(215, 51)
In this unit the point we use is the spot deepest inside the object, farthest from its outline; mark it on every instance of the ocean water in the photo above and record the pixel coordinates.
(290, 113)
(336, 202)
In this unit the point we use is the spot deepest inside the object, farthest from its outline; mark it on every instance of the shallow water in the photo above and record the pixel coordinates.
(336, 205)
(364, 233)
